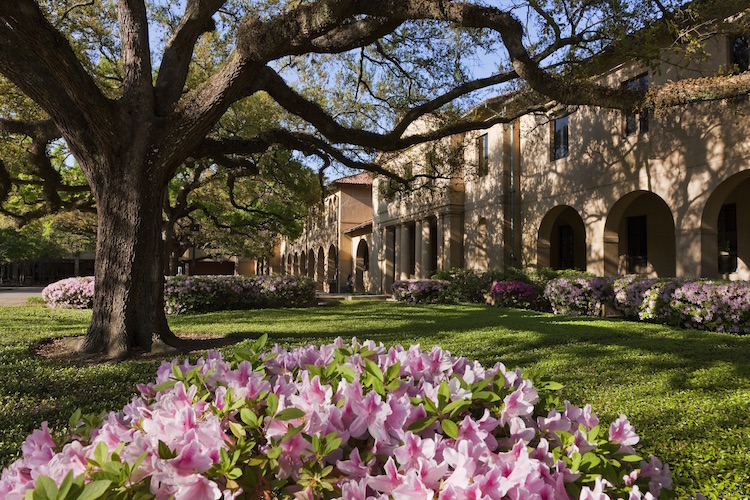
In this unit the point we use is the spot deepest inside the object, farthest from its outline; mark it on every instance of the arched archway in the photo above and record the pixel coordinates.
(303, 264)
(320, 268)
(332, 270)
(295, 264)
(289, 268)
(639, 236)
(725, 247)
(361, 266)
(561, 241)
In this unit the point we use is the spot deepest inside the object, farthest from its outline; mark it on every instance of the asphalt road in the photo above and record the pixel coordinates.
(16, 296)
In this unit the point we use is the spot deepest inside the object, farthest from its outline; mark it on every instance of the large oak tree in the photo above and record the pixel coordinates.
(400, 60)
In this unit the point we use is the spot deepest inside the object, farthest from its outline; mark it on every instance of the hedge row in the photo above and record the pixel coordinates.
(193, 294)
(722, 306)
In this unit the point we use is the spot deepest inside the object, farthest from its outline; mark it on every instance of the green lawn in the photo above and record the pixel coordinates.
(686, 392)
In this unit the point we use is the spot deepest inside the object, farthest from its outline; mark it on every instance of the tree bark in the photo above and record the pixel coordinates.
(129, 270)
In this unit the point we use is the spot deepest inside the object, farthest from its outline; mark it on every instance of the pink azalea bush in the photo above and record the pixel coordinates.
(186, 294)
(628, 294)
(513, 293)
(426, 291)
(71, 293)
(721, 306)
(345, 420)
(578, 296)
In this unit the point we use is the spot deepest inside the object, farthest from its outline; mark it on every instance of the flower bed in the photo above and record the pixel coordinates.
(183, 294)
(578, 295)
(71, 293)
(420, 291)
(340, 421)
(628, 294)
(191, 294)
(513, 293)
(713, 305)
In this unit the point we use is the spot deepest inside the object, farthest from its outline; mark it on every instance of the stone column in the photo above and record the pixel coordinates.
(426, 254)
(403, 252)
(440, 237)
(397, 252)
(453, 240)
(419, 270)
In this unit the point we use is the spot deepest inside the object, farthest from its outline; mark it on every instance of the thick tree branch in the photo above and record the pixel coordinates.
(179, 51)
(28, 41)
(136, 55)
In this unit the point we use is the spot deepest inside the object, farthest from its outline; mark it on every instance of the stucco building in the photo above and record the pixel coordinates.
(665, 194)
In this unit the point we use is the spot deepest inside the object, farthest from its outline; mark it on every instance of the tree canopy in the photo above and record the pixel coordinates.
(139, 90)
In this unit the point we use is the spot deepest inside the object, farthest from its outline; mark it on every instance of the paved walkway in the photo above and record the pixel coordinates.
(18, 295)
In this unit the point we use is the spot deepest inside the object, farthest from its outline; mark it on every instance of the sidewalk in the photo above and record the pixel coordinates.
(13, 296)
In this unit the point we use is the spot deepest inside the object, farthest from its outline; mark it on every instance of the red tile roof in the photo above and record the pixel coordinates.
(362, 179)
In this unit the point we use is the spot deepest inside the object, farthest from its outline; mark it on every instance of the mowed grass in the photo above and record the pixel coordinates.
(686, 392)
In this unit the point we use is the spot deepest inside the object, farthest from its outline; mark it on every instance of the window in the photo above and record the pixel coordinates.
(740, 53)
(566, 250)
(560, 138)
(728, 238)
(483, 155)
(636, 122)
(637, 245)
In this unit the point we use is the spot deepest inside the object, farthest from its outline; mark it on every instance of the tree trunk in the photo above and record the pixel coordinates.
(129, 270)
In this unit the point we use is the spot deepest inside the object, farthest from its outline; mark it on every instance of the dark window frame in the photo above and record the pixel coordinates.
(483, 155)
(560, 137)
(739, 52)
(636, 123)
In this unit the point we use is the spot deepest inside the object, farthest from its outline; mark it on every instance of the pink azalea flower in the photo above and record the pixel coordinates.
(620, 431)
(387, 482)
(412, 450)
(196, 487)
(412, 488)
(354, 467)
(371, 416)
(596, 494)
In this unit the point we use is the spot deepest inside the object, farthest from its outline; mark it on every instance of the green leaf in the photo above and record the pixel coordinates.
(274, 452)
(393, 371)
(234, 473)
(165, 453)
(373, 368)
(65, 486)
(272, 404)
(292, 431)
(237, 429)
(594, 433)
(249, 417)
(45, 489)
(94, 490)
(165, 385)
(450, 428)
(290, 413)
(631, 458)
(177, 373)
(444, 394)
(259, 344)
(455, 407)
(423, 423)
(101, 453)
(75, 419)
(550, 385)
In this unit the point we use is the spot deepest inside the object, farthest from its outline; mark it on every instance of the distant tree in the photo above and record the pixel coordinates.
(351, 76)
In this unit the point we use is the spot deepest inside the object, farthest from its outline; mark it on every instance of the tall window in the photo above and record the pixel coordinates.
(560, 138)
(740, 53)
(483, 155)
(728, 238)
(637, 245)
(636, 122)
(566, 249)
